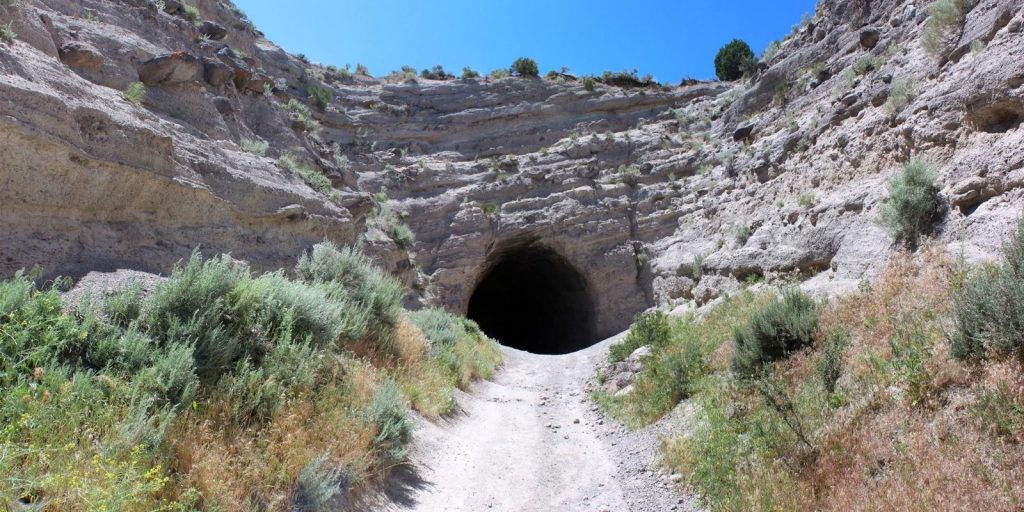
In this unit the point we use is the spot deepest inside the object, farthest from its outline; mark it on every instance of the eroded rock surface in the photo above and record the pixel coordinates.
(658, 195)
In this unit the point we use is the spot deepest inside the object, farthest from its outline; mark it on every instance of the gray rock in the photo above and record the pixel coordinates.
(171, 68)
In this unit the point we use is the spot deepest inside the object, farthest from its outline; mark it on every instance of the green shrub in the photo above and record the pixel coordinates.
(172, 378)
(914, 205)
(437, 73)
(743, 233)
(320, 483)
(732, 60)
(525, 67)
(394, 427)
(780, 327)
(647, 329)
(320, 96)
(988, 306)
(455, 343)
(372, 299)
(135, 93)
(588, 83)
(362, 70)
(468, 73)
(830, 366)
(303, 115)
(865, 65)
(943, 26)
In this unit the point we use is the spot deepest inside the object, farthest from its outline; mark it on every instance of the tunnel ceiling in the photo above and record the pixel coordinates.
(533, 299)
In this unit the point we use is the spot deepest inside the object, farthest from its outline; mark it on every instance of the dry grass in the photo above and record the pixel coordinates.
(908, 428)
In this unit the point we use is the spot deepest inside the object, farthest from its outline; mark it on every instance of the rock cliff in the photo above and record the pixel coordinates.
(656, 194)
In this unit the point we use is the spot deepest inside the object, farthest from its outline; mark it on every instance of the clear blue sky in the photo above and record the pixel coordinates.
(669, 39)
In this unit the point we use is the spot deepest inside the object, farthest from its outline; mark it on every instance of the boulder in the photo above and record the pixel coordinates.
(81, 55)
(215, 72)
(171, 68)
(869, 37)
(213, 30)
(743, 132)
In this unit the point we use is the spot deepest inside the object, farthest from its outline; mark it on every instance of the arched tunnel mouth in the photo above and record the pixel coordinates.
(533, 299)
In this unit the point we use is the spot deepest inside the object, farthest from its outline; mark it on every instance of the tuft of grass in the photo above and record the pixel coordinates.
(588, 83)
(900, 95)
(315, 179)
(388, 221)
(135, 93)
(303, 115)
(7, 33)
(468, 73)
(256, 147)
(914, 205)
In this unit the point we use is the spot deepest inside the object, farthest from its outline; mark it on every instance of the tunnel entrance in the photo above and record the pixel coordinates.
(533, 299)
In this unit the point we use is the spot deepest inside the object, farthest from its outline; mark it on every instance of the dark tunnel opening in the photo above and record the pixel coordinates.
(532, 299)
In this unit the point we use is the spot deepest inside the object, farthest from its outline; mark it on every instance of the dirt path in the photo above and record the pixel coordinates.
(533, 440)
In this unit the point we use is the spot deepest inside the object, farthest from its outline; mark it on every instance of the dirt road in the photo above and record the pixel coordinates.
(533, 440)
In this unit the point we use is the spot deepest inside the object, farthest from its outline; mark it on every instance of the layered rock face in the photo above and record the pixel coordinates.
(655, 195)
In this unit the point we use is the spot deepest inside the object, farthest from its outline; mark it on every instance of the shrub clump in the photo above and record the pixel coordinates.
(372, 299)
(988, 307)
(780, 327)
(647, 329)
(320, 96)
(914, 205)
(525, 67)
(469, 73)
(945, 17)
(458, 344)
(733, 60)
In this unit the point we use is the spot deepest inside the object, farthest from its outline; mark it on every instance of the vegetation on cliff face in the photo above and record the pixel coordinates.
(220, 389)
(906, 396)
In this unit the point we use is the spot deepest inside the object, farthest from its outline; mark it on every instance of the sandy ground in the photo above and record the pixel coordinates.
(533, 440)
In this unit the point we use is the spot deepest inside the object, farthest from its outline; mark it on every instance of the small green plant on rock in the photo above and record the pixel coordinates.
(320, 96)
(135, 93)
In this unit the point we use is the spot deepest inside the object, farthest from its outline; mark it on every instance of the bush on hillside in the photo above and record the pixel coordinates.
(988, 308)
(648, 329)
(394, 427)
(372, 299)
(320, 96)
(943, 26)
(525, 67)
(733, 60)
(469, 73)
(458, 343)
(914, 205)
(780, 327)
